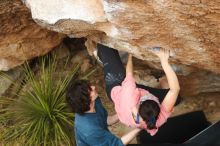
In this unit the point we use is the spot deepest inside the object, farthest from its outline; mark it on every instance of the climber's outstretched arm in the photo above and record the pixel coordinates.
(171, 97)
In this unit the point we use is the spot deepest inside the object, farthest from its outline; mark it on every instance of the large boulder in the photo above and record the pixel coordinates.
(21, 38)
(190, 28)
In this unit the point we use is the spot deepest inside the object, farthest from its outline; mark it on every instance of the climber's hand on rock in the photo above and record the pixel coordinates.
(163, 54)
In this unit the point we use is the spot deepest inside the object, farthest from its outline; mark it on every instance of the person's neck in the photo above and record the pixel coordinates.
(92, 108)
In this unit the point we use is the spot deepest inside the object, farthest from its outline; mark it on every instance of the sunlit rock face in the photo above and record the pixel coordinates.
(20, 37)
(190, 28)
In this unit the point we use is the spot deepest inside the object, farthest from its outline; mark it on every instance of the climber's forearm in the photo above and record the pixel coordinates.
(171, 76)
(171, 97)
(129, 67)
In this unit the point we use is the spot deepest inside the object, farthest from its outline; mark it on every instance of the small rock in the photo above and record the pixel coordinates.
(212, 104)
(5, 83)
(79, 57)
(85, 66)
(61, 51)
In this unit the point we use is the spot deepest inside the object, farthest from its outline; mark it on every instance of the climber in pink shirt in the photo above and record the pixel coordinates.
(138, 105)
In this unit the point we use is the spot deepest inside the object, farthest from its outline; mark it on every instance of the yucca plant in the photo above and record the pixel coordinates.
(38, 114)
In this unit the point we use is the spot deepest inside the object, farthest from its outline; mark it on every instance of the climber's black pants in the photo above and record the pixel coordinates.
(114, 72)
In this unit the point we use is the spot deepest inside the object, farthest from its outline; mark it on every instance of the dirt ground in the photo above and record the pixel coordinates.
(208, 102)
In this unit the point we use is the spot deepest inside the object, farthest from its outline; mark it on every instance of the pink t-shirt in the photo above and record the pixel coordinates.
(126, 96)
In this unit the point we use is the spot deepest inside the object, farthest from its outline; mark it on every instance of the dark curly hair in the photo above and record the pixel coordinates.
(149, 111)
(78, 96)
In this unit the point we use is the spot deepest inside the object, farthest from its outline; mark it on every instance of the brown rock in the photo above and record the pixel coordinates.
(189, 28)
(144, 77)
(199, 82)
(79, 56)
(9, 78)
(191, 84)
(21, 38)
(85, 65)
(61, 52)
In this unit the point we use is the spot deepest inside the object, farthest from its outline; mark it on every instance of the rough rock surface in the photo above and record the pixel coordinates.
(199, 82)
(192, 81)
(8, 78)
(20, 37)
(190, 28)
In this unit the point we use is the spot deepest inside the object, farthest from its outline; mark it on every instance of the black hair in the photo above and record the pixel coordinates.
(78, 96)
(149, 111)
